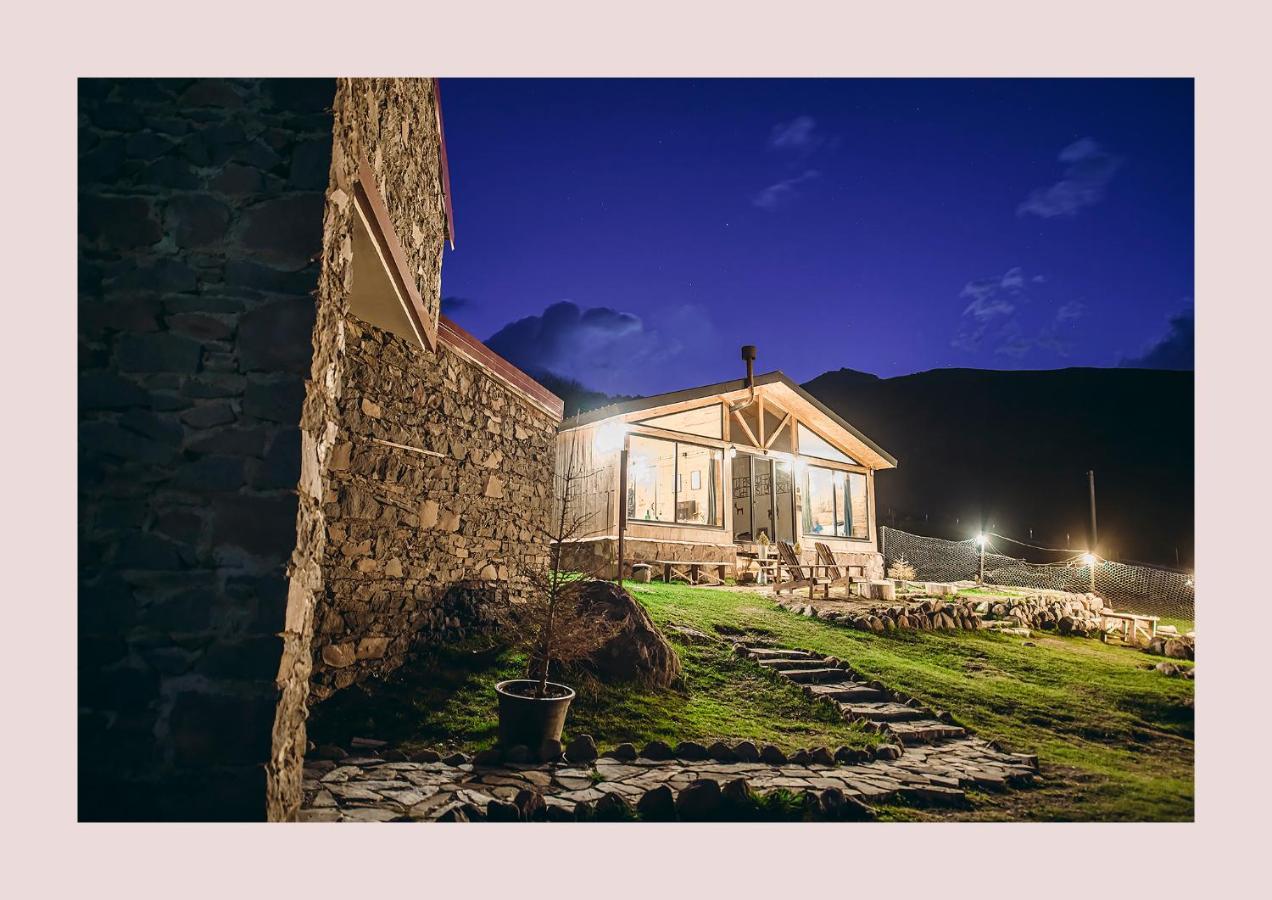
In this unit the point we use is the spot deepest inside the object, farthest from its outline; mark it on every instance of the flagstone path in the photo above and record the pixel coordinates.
(937, 762)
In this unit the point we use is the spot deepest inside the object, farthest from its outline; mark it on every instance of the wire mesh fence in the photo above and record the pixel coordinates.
(1140, 589)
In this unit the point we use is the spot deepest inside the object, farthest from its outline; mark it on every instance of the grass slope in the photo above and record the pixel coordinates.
(1115, 739)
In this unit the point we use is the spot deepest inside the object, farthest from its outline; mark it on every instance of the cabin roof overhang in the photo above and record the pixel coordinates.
(777, 385)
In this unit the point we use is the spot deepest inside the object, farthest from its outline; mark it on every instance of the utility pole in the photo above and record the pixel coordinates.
(622, 508)
(1091, 483)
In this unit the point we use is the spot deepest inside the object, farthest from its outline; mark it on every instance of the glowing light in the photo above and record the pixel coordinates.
(733, 452)
(982, 540)
(1088, 559)
(609, 437)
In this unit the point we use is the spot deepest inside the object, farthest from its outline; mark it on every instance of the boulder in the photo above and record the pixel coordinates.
(690, 750)
(657, 805)
(656, 750)
(637, 651)
(700, 800)
(581, 749)
(772, 755)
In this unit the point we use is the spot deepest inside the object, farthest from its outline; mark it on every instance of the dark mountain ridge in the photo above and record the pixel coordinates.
(1008, 451)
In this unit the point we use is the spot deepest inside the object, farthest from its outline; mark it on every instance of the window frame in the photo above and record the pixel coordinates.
(675, 480)
(838, 497)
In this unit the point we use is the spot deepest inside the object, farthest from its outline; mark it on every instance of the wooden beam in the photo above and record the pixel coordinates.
(760, 419)
(747, 428)
(786, 420)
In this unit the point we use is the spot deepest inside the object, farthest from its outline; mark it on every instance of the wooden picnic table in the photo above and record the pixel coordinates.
(1131, 624)
(692, 570)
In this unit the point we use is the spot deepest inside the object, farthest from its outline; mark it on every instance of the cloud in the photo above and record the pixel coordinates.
(1089, 169)
(603, 348)
(452, 305)
(1174, 350)
(799, 134)
(1070, 312)
(991, 319)
(782, 192)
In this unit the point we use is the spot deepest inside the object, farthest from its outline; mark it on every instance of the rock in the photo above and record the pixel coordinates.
(531, 806)
(500, 811)
(736, 796)
(887, 752)
(613, 808)
(849, 755)
(822, 757)
(772, 755)
(550, 751)
(581, 749)
(1179, 648)
(658, 805)
(454, 814)
(623, 753)
(1167, 668)
(656, 750)
(560, 813)
(426, 756)
(518, 753)
(488, 757)
(329, 751)
(831, 803)
(690, 750)
(699, 800)
(456, 759)
(721, 751)
(394, 755)
(637, 651)
(801, 757)
(746, 751)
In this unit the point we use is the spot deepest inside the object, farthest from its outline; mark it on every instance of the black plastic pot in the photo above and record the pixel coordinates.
(527, 721)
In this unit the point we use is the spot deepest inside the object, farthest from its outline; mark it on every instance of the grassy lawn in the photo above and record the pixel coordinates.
(1115, 739)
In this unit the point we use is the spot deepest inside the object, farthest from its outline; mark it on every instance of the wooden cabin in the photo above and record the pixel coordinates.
(711, 469)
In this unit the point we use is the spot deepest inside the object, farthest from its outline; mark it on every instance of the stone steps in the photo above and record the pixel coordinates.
(882, 712)
(789, 665)
(925, 731)
(807, 676)
(849, 692)
(759, 653)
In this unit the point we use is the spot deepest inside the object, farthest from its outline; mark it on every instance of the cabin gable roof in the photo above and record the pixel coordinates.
(785, 391)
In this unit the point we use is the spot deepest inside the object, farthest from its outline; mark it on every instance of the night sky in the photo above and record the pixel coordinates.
(631, 234)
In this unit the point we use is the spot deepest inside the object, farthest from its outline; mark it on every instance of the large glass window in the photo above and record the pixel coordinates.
(671, 482)
(835, 503)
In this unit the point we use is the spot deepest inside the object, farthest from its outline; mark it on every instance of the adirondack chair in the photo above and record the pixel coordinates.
(800, 576)
(838, 577)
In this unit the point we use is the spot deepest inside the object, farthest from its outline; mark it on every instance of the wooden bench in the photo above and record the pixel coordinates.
(839, 576)
(801, 574)
(1130, 623)
(693, 571)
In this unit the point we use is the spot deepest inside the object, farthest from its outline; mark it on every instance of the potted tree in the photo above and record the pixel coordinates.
(547, 621)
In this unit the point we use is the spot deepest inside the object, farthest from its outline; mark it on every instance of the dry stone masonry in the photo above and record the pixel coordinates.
(435, 499)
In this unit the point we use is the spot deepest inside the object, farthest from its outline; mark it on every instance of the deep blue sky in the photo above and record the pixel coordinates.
(890, 226)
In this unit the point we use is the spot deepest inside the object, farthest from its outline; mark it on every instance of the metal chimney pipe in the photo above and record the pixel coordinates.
(748, 354)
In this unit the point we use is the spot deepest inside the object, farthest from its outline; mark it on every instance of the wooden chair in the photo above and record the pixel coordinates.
(838, 577)
(800, 576)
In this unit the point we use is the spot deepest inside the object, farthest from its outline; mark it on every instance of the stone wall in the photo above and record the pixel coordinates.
(200, 220)
(395, 545)
(440, 476)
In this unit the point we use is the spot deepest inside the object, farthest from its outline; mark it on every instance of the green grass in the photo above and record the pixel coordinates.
(446, 700)
(1115, 739)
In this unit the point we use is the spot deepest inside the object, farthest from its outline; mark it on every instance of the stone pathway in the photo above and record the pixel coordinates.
(937, 761)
